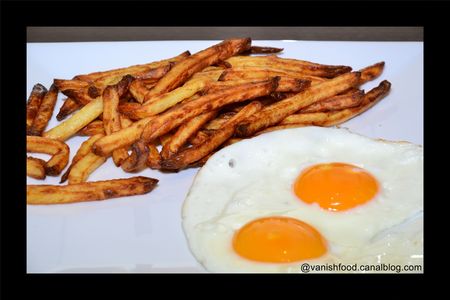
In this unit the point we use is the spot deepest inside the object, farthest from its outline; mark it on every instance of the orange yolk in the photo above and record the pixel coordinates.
(336, 186)
(278, 240)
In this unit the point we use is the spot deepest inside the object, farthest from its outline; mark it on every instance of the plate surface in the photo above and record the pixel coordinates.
(144, 233)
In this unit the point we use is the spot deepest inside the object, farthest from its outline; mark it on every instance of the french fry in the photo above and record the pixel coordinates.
(275, 113)
(371, 72)
(248, 73)
(286, 84)
(35, 168)
(163, 102)
(59, 151)
(184, 132)
(70, 84)
(125, 121)
(337, 117)
(262, 50)
(131, 69)
(154, 157)
(81, 170)
(77, 121)
(212, 75)
(93, 128)
(219, 121)
(45, 112)
(34, 102)
(137, 160)
(80, 96)
(305, 67)
(195, 153)
(85, 148)
(138, 89)
(199, 138)
(89, 191)
(165, 122)
(119, 139)
(281, 127)
(183, 70)
(69, 106)
(165, 138)
(338, 102)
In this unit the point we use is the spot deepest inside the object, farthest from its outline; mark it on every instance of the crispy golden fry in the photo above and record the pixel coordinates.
(338, 102)
(199, 138)
(137, 160)
(184, 132)
(93, 128)
(305, 67)
(247, 73)
(119, 139)
(58, 150)
(89, 191)
(138, 89)
(163, 102)
(286, 84)
(165, 122)
(80, 96)
(212, 75)
(262, 50)
(219, 121)
(183, 70)
(85, 148)
(69, 106)
(34, 102)
(340, 116)
(81, 170)
(45, 112)
(77, 121)
(131, 69)
(154, 157)
(35, 168)
(195, 153)
(145, 75)
(164, 139)
(275, 113)
(223, 64)
(70, 84)
(371, 72)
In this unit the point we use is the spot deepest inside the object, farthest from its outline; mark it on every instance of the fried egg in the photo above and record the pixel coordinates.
(311, 194)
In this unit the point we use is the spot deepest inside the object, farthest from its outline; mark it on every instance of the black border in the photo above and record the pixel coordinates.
(16, 16)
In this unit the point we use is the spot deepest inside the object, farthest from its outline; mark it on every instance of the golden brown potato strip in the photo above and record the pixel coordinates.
(93, 128)
(138, 89)
(338, 102)
(165, 122)
(219, 121)
(199, 138)
(77, 121)
(183, 70)
(34, 102)
(154, 157)
(119, 139)
(35, 168)
(163, 102)
(223, 64)
(70, 84)
(371, 72)
(45, 112)
(195, 153)
(184, 132)
(281, 127)
(247, 73)
(164, 139)
(89, 191)
(137, 160)
(262, 50)
(85, 148)
(69, 106)
(275, 113)
(213, 75)
(286, 84)
(58, 150)
(80, 96)
(131, 69)
(305, 67)
(125, 121)
(341, 116)
(81, 170)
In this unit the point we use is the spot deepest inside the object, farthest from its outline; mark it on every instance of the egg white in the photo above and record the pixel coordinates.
(253, 179)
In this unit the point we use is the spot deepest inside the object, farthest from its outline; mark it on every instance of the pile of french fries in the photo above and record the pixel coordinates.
(175, 113)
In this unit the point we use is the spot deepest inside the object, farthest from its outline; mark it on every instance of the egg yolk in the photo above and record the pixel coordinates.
(336, 186)
(278, 240)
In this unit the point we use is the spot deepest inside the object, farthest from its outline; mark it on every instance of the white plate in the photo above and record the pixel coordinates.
(143, 233)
